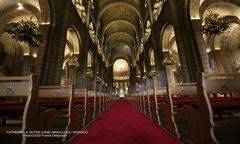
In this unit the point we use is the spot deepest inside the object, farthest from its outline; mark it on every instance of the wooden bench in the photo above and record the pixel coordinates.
(180, 94)
(111, 99)
(22, 94)
(81, 101)
(185, 94)
(91, 105)
(140, 100)
(62, 98)
(161, 97)
(146, 103)
(103, 95)
(133, 99)
(201, 114)
(98, 104)
(164, 104)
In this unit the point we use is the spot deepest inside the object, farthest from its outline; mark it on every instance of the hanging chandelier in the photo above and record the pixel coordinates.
(213, 24)
(26, 31)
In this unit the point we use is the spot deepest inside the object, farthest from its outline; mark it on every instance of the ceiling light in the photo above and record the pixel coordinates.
(34, 55)
(20, 6)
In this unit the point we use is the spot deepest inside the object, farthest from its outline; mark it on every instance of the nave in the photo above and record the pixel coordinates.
(64, 63)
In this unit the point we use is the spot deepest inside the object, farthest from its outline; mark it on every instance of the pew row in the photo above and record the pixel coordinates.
(181, 94)
(91, 106)
(185, 99)
(67, 116)
(21, 98)
(201, 115)
(80, 99)
(19, 95)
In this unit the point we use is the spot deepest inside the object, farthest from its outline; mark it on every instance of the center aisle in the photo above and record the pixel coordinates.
(124, 124)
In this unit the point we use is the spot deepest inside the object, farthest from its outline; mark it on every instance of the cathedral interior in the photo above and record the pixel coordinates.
(90, 58)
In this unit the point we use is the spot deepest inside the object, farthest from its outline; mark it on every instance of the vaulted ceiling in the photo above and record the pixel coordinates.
(13, 10)
(120, 28)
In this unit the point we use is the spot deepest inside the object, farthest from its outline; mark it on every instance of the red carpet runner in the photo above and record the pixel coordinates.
(124, 124)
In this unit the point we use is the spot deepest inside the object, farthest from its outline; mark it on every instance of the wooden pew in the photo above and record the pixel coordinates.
(184, 94)
(103, 102)
(34, 118)
(108, 95)
(161, 93)
(139, 99)
(62, 99)
(150, 99)
(112, 99)
(81, 101)
(142, 102)
(91, 105)
(133, 99)
(98, 106)
(181, 94)
(153, 104)
(166, 110)
(145, 102)
(201, 115)
(107, 100)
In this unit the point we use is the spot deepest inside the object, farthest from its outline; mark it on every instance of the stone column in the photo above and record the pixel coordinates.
(188, 50)
(196, 24)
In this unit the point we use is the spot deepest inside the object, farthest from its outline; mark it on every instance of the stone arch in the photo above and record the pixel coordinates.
(169, 48)
(74, 38)
(223, 8)
(222, 50)
(224, 53)
(71, 50)
(166, 35)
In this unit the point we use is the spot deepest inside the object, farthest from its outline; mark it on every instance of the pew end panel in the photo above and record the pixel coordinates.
(26, 88)
(181, 94)
(215, 94)
(81, 100)
(62, 99)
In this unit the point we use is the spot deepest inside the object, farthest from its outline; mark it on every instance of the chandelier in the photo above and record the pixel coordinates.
(26, 31)
(213, 24)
